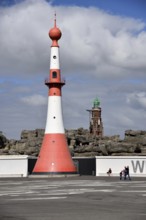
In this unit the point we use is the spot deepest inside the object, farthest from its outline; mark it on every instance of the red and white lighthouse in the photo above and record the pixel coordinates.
(54, 156)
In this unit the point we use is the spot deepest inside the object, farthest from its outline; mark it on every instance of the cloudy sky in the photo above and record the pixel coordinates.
(102, 54)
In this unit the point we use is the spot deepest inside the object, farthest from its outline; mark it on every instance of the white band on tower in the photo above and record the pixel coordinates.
(54, 122)
(54, 60)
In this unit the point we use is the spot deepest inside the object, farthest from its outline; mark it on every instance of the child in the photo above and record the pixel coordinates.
(109, 171)
(121, 174)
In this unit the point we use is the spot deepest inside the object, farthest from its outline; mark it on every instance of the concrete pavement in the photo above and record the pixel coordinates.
(83, 197)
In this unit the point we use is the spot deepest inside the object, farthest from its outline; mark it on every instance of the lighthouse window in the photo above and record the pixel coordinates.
(54, 74)
(54, 57)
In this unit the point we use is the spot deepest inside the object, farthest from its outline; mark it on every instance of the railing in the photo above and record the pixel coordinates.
(47, 81)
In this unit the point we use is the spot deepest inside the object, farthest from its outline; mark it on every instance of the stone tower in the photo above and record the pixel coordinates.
(96, 125)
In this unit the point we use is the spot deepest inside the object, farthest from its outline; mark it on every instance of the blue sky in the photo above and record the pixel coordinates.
(133, 8)
(102, 53)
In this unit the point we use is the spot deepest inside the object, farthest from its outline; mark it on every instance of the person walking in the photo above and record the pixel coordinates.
(127, 173)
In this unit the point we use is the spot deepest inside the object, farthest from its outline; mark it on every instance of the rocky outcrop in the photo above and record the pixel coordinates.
(81, 143)
(3, 140)
(29, 143)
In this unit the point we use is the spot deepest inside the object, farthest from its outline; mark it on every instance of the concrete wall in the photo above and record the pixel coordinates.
(14, 166)
(137, 165)
(18, 166)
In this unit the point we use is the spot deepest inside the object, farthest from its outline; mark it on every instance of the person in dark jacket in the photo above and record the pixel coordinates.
(127, 173)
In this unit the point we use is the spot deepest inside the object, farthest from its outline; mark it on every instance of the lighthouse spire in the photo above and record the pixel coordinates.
(55, 19)
(54, 157)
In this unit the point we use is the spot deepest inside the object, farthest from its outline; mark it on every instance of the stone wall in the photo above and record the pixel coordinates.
(81, 143)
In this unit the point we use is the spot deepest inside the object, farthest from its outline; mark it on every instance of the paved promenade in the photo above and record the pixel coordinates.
(72, 198)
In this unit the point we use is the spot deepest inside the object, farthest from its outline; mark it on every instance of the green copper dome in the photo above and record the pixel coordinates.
(96, 103)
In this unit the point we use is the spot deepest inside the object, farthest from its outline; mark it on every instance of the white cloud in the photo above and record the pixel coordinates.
(92, 39)
(137, 100)
(101, 55)
(34, 100)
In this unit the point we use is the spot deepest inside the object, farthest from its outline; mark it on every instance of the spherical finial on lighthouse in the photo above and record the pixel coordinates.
(55, 34)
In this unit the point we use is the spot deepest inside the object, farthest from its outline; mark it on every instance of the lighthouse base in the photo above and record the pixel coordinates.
(53, 174)
(54, 157)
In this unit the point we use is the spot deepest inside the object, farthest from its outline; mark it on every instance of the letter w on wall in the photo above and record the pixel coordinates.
(138, 166)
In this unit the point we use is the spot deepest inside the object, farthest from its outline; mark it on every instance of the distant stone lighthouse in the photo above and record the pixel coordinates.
(54, 157)
(96, 125)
